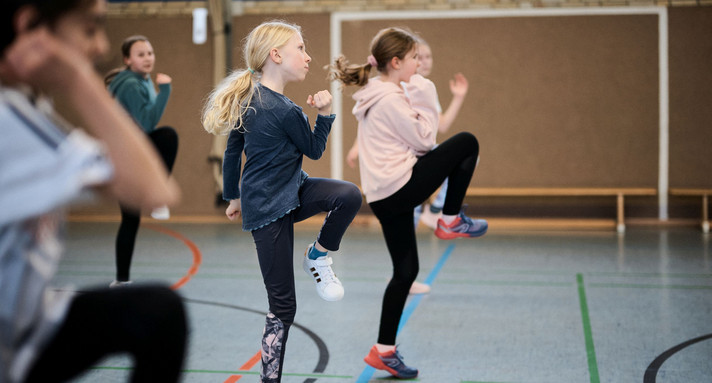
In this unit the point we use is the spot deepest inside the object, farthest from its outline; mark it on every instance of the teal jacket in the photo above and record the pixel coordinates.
(138, 96)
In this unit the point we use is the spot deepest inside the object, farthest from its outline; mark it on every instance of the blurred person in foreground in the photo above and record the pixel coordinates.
(48, 48)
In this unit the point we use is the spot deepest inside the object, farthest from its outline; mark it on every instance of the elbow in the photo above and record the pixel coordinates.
(315, 156)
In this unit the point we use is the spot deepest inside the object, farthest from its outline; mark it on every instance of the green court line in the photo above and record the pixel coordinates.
(650, 275)
(650, 286)
(592, 273)
(505, 283)
(588, 334)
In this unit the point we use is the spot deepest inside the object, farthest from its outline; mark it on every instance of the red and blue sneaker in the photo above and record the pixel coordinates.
(390, 361)
(461, 226)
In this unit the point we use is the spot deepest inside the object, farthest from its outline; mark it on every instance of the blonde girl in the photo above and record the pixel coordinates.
(400, 168)
(273, 192)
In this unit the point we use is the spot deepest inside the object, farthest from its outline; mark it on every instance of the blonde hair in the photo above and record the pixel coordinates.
(388, 43)
(229, 101)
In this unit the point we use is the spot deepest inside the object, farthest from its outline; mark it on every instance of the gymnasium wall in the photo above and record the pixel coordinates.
(555, 101)
(690, 97)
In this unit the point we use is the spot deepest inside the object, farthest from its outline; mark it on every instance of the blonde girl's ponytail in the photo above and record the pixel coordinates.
(229, 102)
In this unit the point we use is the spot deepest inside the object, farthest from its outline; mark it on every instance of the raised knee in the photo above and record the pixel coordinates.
(354, 195)
(470, 139)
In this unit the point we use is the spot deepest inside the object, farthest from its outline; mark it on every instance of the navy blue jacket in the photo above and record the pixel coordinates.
(276, 135)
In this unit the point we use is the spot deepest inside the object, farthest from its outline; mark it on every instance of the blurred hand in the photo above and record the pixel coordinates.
(44, 62)
(352, 156)
(459, 85)
(163, 78)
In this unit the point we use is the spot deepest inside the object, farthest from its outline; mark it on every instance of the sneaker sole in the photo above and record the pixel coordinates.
(449, 235)
(379, 365)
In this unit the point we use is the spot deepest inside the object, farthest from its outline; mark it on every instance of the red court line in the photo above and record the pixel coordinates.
(245, 367)
(197, 256)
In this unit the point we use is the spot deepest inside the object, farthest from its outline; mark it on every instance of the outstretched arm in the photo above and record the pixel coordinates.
(458, 88)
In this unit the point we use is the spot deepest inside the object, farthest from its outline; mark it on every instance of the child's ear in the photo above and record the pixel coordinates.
(25, 19)
(395, 62)
(274, 55)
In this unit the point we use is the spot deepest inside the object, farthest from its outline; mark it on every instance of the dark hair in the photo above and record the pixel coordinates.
(388, 43)
(125, 53)
(48, 12)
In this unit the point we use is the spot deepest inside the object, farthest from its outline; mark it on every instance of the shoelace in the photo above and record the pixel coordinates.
(399, 356)
(467, 220)
(399, 363)
(325, 272)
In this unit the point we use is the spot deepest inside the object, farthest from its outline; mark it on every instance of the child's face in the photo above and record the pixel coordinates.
(295, 60)
(425, 56)
(83, 29)
(408, 65)
(141, 58)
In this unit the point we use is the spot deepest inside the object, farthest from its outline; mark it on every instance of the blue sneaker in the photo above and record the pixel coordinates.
(390, 361)
(462, 226)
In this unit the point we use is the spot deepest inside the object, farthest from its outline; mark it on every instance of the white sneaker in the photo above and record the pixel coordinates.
(161, 213)
(116, 284)
(327, 285)
(429, 218)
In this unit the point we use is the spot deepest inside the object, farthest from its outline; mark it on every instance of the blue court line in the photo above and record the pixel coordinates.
(368, 371)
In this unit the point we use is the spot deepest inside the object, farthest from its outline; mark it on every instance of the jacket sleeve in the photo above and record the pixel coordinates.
(415, 116)
(135, 98)
(232, 164)
(311, 143)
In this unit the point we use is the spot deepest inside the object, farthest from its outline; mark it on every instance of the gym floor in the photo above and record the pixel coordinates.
(512, 306)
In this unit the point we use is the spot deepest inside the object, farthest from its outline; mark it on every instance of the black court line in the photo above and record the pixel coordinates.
(651, 372)
(323, 359)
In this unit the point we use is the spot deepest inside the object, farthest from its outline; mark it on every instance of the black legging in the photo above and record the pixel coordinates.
(148, 322)
(165, 140)
(454, 159)
(275, 251)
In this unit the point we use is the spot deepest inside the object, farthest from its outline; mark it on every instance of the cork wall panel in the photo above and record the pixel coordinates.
(690, 97)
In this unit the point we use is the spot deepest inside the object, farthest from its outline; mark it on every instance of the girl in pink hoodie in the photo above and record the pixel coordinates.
(400, 168)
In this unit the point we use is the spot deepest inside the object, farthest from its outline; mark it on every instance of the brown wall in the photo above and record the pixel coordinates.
(555, 101)
(690, 97)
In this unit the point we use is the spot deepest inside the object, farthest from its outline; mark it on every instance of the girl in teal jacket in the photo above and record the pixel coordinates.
(133, 88)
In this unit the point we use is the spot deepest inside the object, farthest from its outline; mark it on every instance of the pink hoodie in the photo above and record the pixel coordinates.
(395, 127)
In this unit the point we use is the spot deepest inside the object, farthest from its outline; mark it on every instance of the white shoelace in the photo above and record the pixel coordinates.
(323, 269)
